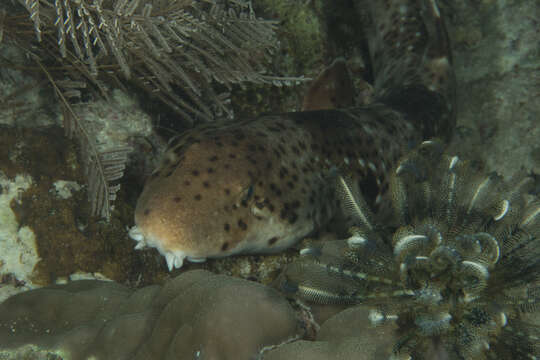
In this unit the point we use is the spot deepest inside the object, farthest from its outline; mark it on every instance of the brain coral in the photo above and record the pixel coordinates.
(197, 315)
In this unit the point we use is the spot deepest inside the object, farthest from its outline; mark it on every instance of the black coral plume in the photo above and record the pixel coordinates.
(176, 50)
(103, 167)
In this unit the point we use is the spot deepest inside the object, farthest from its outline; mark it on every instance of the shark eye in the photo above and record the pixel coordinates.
(249, 193)
(245, 196)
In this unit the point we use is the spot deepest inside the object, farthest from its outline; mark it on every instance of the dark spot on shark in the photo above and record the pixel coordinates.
(242, 225)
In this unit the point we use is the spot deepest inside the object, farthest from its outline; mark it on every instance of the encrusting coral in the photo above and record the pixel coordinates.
(197, 315)
(457, 276)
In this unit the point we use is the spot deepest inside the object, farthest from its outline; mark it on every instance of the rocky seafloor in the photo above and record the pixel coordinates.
(48, 239)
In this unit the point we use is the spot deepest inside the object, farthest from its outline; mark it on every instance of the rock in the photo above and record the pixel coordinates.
(197, 315)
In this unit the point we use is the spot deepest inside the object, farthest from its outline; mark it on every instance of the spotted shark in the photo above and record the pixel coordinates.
(260, 185)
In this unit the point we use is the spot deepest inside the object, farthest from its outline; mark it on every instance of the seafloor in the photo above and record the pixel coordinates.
(47, 237)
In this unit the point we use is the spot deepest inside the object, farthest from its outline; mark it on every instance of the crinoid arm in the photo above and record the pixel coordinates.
(461, 271)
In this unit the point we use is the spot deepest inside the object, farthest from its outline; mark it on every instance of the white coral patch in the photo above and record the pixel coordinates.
(18, 254)
(64, 189)
(116, 120)
(79, 275)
